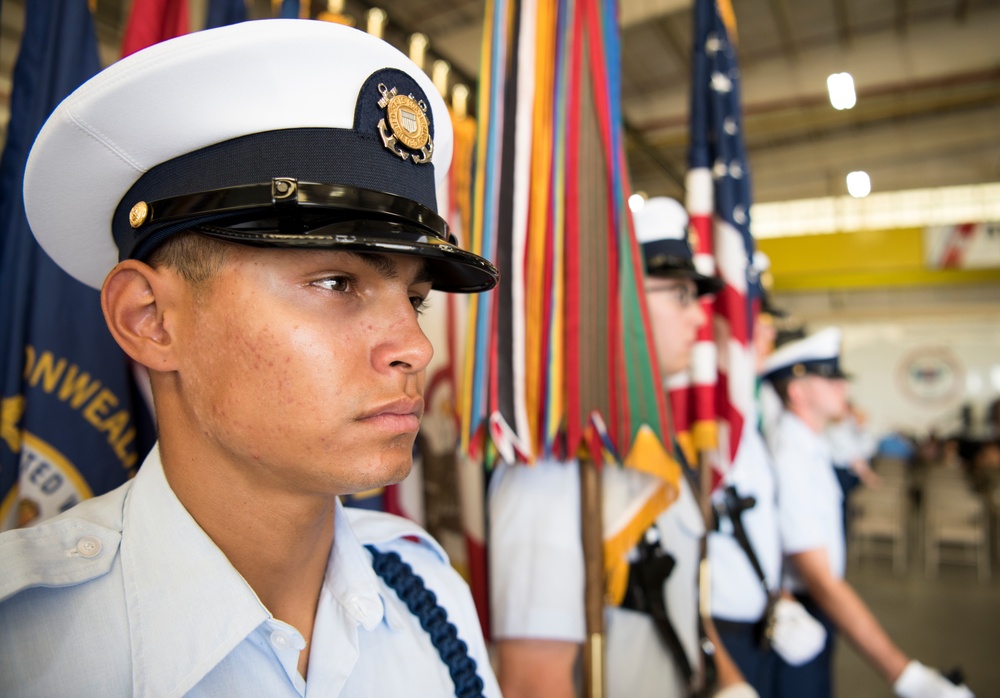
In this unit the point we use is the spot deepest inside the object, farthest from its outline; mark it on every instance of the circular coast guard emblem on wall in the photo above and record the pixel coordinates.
(931, 375)
(407, 125)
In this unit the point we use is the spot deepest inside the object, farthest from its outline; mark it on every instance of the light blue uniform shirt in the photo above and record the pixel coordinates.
(737, 594)
(810, 512)
(126, 595)
(537, 570)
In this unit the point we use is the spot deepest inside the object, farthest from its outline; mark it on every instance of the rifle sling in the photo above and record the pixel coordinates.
(647, 576)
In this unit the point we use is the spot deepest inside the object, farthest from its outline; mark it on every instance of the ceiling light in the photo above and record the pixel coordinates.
(859, 184)
(841, 88)
(636, 202)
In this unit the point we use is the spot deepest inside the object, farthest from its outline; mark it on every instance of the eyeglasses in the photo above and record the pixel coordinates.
(685, 293)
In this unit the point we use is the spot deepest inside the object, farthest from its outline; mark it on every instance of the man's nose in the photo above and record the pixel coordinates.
(404, 346)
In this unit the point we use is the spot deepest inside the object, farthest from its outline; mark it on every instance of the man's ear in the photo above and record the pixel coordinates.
(134, 299)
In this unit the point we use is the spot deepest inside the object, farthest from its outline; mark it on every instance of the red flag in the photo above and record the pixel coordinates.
(153, 21)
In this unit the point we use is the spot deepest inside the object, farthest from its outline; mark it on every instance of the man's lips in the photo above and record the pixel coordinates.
(399, 415)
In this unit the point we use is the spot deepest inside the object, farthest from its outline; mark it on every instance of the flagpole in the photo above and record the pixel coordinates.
(705, 463)
(592, 533)
(705, 467)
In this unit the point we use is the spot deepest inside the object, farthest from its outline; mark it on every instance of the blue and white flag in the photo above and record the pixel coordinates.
(72, 421)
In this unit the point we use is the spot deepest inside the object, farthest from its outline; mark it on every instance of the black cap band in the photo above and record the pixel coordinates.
(334, 156)
(673, 258)
(824, 368)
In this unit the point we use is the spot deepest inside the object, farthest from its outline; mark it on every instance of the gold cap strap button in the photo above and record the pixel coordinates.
(138, 215)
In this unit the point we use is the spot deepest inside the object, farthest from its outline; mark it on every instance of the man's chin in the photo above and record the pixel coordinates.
(401, 473)
(383, 475)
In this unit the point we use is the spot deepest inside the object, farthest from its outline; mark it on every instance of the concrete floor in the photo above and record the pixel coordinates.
(952, 621)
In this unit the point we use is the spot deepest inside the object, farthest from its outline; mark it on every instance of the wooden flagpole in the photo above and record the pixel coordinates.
(592, 532)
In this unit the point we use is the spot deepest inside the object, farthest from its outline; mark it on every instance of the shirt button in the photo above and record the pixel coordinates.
(280, 639)
(89, 546)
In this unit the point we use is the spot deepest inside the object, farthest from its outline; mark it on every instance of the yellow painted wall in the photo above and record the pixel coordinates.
(864, 259)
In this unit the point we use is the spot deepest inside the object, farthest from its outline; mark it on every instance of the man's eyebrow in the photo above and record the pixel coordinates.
(387, 267)
(423, 275)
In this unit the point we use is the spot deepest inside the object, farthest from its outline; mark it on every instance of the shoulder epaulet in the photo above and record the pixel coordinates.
(64, 551)
(377, 528)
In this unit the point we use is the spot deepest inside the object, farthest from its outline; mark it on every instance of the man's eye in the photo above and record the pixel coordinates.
(342, 284)
(419, 303)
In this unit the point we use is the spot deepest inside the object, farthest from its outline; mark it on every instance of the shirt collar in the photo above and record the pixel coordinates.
(188, 606)
(362, 527)
(352, 582)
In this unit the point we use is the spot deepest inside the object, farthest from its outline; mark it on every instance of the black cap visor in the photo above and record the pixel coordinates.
(680, 268)
(824, 368)
(288, 213)
(450, 268)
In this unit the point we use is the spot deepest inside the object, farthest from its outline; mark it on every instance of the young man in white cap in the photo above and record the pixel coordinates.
(257, 204)
(806, 375)
(537, 569)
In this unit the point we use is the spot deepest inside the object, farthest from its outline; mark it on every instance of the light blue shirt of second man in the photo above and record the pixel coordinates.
(810, 512)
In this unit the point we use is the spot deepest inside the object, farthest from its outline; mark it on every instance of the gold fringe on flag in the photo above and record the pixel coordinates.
(616, 547)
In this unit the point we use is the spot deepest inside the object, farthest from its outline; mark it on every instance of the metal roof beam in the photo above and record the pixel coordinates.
(665, 27)
(783, 21)
(962, 10)
(842, 17)
(901, 16)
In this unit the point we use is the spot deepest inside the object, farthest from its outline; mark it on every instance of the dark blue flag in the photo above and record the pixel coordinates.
(223, 12)
(72, 422)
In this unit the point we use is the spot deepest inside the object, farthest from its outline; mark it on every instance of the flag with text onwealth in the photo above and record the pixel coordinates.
(72, 422)
(711, 408)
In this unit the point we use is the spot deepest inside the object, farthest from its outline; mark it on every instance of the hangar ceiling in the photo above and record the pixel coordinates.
(927, 74)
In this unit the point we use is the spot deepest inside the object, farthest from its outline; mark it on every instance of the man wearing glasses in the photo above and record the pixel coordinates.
(536, 556)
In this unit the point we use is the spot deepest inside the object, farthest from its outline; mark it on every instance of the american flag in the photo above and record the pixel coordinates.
(720, 392)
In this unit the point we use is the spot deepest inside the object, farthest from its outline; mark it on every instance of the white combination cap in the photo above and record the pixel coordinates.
(818, 354)
(283, 133)
(661, 218)
(661, 228)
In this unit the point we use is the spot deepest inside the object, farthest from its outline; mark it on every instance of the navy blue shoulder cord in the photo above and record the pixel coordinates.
(433, 618)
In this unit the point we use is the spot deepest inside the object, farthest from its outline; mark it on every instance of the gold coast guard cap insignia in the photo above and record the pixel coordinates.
(407, 125)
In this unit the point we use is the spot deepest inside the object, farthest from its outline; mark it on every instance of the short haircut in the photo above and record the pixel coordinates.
(781, 388)
(195, 257)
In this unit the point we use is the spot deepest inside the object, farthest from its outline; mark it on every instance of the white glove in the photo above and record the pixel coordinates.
(737, 690)
(796, 636)
(918, 681)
